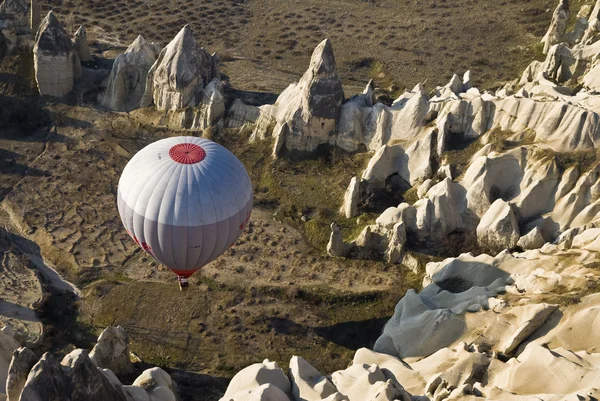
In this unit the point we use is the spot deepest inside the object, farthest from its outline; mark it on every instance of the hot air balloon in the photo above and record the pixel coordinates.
(184, 200)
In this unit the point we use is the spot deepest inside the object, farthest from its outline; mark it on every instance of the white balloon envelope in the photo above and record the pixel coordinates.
(184, 200)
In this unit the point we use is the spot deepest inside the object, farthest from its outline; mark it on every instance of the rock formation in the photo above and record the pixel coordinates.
(23, 359)
(112, 351)
(485, 329)
(81, 45)
(127, 81)
(57, 65)
(8, 346)
(180, 73)
(308, 112)
(77, 378)
(499, 227)
(254, 377)
(557, 26)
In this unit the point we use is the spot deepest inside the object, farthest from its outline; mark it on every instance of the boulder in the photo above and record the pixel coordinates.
(157, 383)
(253, 377)
(352, 199)
(364, 382)
(240, 113)
(395, 248)
(388, 160)
(55, 60)
(307, 383)
(112, 351)
(534, 239)
(498, 228)
(127, 81)
(212, 105)
(81, 45)
(23, 360)
(336, 245)
(180, 73)
(308, 112)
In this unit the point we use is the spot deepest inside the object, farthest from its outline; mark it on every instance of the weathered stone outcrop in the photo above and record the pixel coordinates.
(57, 65)
(127, 81)
(498, 228)
(23, 359)
(254, 377)
(557, 26)
(180, 74)
(77, 378)
(308, 111)
(81, 44)
(74, 379)
(112, 351)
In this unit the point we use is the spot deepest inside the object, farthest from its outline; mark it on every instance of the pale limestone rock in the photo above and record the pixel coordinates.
(112, 351)
(498, 228)
(528, 319)
(364, 382)
(395, 248)
(127, 81)
(537, 188)
(392, 368)
(75, 379)
(539, 370)
(8, 346)
(255, 376)
(390, 217)
(491, 177)
(81, 45)
(336, 245)
(354, 113)
(180, 73)
(264, 123)
(308, 384)
(22, 361)
(212, 106)
(265, 392)
(240, 113)
(388, 160)
(557, 26)
(308, 112)
(412, 318)
(534, 239)
(424, 187)
(352, 199)
(56, 62)
(449, 210)
(158, 385)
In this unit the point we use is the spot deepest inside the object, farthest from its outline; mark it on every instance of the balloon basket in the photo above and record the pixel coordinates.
(183, 283)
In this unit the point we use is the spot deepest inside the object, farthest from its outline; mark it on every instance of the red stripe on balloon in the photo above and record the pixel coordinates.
(184, 273)
(187, 153)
